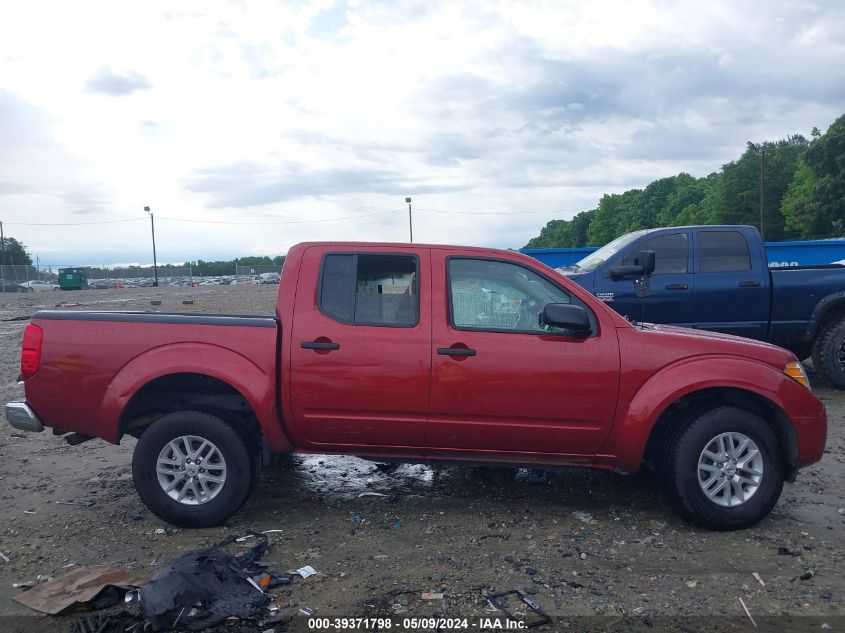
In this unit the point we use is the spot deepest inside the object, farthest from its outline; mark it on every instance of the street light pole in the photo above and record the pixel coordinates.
(153, 229)
(759, 150)
(410, 220)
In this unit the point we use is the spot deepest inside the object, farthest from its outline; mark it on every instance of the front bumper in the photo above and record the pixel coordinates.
(22, 417)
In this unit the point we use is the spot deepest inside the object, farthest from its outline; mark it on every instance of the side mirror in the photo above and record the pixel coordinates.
(646, 260)
(566, 316)
(643, 265)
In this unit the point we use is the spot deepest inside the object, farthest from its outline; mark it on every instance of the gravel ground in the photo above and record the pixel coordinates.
(582, 543)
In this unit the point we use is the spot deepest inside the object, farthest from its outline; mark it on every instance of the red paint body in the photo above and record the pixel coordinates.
(524, 398)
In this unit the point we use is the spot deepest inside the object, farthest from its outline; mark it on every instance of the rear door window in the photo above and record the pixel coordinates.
(723, 252)
(370, 289)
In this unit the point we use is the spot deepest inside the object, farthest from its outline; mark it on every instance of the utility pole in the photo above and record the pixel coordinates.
(153, 229)
(760, 151)
(410, 220)
(2, 258)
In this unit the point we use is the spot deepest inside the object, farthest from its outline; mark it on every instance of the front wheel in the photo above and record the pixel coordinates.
(193, 469)
(724, 469)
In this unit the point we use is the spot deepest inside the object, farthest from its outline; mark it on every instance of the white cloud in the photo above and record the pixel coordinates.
(294, 112)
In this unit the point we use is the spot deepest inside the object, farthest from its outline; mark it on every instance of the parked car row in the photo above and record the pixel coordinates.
(145, 282)
(6, 285)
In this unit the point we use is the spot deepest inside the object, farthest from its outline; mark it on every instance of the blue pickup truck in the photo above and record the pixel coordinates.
(717, 278)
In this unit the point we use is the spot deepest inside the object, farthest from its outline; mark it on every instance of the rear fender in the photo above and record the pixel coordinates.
(631, 430)
(833, 301)
(238, 371)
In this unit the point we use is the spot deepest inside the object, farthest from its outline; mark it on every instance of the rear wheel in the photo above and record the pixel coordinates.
(724, 469)
(193, 469)
(829, 354)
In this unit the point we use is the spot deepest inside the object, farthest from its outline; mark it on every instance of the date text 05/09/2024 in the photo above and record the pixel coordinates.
(415, 624)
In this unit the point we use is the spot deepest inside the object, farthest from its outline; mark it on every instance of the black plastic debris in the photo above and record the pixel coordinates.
(536, 616)
(203, 587)
(108, 623)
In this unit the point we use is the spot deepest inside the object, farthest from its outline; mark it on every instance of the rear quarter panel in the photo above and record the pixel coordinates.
(90, 369)
(800, 299)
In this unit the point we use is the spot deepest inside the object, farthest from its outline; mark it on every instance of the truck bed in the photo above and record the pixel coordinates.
(101, 358)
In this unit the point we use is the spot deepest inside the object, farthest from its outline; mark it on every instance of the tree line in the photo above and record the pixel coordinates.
(803, 196)
(14, 253)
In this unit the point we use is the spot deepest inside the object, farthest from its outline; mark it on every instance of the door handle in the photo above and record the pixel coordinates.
(319, 345)
(749, 284)
(455, 351)
(677, 287)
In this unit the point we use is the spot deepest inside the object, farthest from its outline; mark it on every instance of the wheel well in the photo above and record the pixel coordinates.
(189, 391)
(721, 396)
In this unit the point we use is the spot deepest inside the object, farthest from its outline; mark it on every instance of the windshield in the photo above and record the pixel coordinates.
(597, 258)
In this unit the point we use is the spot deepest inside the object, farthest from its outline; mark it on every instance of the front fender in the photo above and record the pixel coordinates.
(255, 383)
(631, 429)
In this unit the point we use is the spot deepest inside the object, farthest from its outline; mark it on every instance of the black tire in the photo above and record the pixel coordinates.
(679, 468)
(241, 471)
(826, 354)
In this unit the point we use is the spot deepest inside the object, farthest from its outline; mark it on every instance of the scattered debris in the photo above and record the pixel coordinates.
(18, 435)
(80, 586)
(30, 512)
(747, 612)
(307, 611)
(358, 518)
(159, 531)
(27, 584)
(432, 595)
(500, 602)
(692, 584)
(505, 537)
(188, 302)
(785, 551)
(216, 581)
(71, 502)
(584, 517)
(758, 578)
(805, 576)
(397, 525)
(155, 302)
(4, 557)
(371, 494)
(107, 623)
(306, 571)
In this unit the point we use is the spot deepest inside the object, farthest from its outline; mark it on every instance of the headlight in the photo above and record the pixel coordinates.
(795, 370)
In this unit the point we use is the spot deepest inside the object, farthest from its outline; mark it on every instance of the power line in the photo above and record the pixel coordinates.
(73, 223)
(282, 222)
(350, 217)
(501, 212)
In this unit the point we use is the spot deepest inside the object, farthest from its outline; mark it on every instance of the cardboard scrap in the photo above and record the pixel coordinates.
(78, 586)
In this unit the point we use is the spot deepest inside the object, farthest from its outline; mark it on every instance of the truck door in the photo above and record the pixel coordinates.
(361, 347)
(500, 381)
(671, 283)
(731, 287)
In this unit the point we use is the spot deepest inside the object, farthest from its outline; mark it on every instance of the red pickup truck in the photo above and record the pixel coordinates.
(398, 352)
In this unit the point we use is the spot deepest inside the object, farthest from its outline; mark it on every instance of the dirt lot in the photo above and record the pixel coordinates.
(583, 543)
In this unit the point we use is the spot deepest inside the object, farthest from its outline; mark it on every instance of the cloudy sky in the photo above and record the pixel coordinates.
(250, 126)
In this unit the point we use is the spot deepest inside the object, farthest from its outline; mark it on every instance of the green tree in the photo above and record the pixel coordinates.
(803, 196)
(14, 253)
(814, 206)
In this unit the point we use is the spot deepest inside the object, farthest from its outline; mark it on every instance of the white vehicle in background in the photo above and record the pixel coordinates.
(36, 285)
(269, 278)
